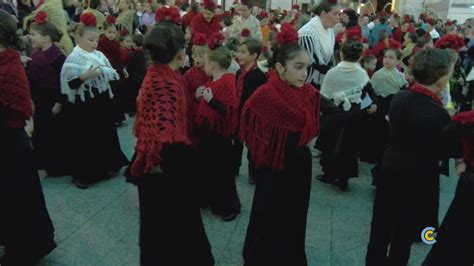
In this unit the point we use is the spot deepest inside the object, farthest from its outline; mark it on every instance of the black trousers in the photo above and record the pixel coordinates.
(171, 227)
(454, 244)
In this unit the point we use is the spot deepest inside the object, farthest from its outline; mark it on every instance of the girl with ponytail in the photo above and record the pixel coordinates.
(278, 122)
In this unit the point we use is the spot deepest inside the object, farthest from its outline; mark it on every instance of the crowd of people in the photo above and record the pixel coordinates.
(202, 83)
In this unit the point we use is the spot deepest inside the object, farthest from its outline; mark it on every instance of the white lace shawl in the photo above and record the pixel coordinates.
(325, 39)
(387, 82)
(344, 84)
(78, 62)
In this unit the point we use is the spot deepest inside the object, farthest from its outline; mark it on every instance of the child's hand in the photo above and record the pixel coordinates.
(57, 108)
(125, 73)
(461, 81)
(199, 92)
(92, 72)
(25, 59)
(207, 95)
(372, 109)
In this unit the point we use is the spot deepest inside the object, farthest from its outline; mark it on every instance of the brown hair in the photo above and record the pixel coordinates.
(398, 52)
(432, 64)
(366, 59)
(164, 42)
(48, 29)
(253, 45)
(221, 55)
(324, 6)
(81, 29)
(8, 36)
(352, 51)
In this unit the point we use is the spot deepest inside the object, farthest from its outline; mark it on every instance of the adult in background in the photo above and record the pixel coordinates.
(246, 21)
(318, 38)
(207, 22)
(381, 26)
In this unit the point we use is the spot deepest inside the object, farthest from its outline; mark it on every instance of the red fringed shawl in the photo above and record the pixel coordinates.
(275, 109)
(111, 50)
(467, 140)
(199, 24)
(162, 117)
(14, 88)
(124, 54)
(196, 77)
(224, 91)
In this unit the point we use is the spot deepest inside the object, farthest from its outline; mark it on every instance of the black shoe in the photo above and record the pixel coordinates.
(342, 184)
(230, 217)
(80, 183)
(325, 179)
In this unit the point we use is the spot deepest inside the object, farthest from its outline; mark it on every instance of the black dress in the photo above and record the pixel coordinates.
(407, 195)
(172, 193)
(49, 137)
(94, 144)
(215, 151)
(26, 229)
(252, 81)
(136, 69)
(277, 227)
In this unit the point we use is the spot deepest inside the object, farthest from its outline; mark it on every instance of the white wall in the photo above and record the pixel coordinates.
(460, 14)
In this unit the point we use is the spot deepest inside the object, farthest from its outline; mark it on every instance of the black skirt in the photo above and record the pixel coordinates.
(26, 229)
(277, 227)
(94, 144)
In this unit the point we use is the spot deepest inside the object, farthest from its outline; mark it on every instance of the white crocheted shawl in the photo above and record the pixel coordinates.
(344, 84)
(78, 62)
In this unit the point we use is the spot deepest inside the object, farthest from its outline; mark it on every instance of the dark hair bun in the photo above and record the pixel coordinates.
(164, 41)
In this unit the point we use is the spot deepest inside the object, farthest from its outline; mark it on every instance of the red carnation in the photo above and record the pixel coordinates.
(216, 40)
(367, 52)
(88, 19)
(430, 21)
(287, 35)
(449, 23)
(365, 40)
(450, 41)
(263, 15)
(354, 34)
(41, 17)
(110, 20)
(296, 7)
(199, 39)
(246, 33)
(168, 13)
(124, 32)
(406, 19)
(209, 4)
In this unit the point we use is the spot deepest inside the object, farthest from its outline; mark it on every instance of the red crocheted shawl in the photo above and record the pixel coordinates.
(111, 50)
(467, 140)
(275, 109)
(224, 91)
(14, 88)
(162, 116)
(196, 77)
(199, 24)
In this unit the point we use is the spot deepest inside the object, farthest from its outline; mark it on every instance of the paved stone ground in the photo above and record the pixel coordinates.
(99, 226)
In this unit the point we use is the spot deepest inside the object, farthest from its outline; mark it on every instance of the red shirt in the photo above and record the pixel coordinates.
(199, 24)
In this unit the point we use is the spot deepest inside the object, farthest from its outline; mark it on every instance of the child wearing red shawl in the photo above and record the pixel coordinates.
(278, 122)
(450, 246)
(27, 233)
(126, 45)
(163, 146)
(196, 76)
(216, 122)
(43, 72)
(249, 78)
(206, 22)
(109, 45)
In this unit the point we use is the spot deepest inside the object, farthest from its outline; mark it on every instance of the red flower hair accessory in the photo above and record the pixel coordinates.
(354, 34)
(406, 19)
(365, 40)
(450, 41)
(124, 32)
(41, 17)
(216, 40)
(245, 33)
(263, 15)
(209, 4)
(199, 39)
(168, 13)
(296, 7)
(110, 20)
(287, 35)
(88, 19)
